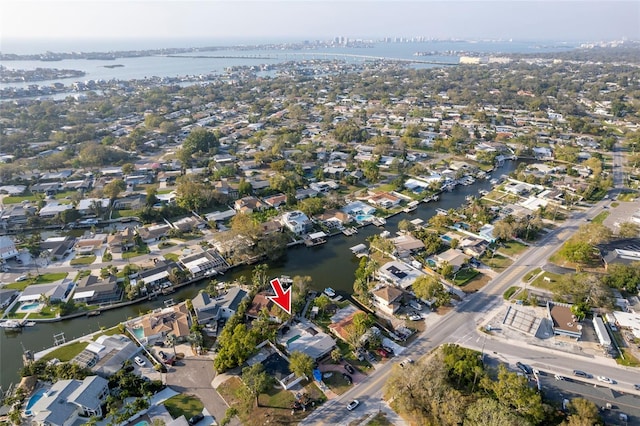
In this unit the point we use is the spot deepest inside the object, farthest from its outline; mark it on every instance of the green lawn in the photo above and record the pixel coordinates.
(20, 198)
(171, 256)
(67, 352)
(497, 262)
(629, 196)
(51, 277)
(529, 275)
(600, 217)
(138, 251)
(187, 405)
(540, 282)
(464, 276)
(510, 291)
(337, 383)
(108, 332)
(512, 248)
(83, 260)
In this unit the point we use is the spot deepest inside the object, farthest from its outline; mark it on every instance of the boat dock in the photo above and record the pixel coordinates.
(315, 239)
(411, 206)
(349, 231)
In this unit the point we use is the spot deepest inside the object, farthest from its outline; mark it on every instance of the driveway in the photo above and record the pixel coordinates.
(193, 375)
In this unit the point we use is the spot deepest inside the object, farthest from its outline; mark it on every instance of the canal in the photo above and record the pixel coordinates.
(329, 265)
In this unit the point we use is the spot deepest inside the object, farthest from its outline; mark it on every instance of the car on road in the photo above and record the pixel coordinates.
(405, 362)
(141, 362)
(636, 387)
(524, 367)
(558, 377)
(21, 278)
(604, 379)
(349, 368)
(353, 404)
(581, 373)
(195, 419)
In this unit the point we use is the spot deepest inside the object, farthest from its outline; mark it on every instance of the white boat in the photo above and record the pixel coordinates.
(442, 212)
(329, 292)
(29, 324)
(379, 221)
(11, 325)
(411, 206)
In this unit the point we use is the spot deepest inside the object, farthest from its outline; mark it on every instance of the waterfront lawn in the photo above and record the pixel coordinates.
(183, 404)
(540, 282)
(67, 352)
(108, 332)
(513, 248)
(496, 262)
(83, 260)
(47, 312)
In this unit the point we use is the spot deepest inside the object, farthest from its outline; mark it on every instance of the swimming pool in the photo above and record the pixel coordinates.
(446, 238)
(32, 401)
(30, 307)
(139, 333)
(142, 423)
(364, 217)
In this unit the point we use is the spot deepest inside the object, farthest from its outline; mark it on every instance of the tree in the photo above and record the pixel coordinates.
(578, 252)
(244, 188)
(489, 412)
(171, 341)
(200, 141)
(405, 225)
(322, 302)
(311, 206)
(582, 412)
(628, 230)
(301, 364)
(256, 380)
(114, 188)
(426, 287)
(336, 355)
(514, 391)
(128, 169)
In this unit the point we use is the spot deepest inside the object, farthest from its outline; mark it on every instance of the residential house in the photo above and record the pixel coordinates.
(341, 321)
(16, 215)
(296, 221)
(90, 244)
(387, 299)
(157, 275)
(276, 201)
(224, 187)
(67, 400)
(58, 247)
(95, 290)
(110, 353)
(384, 200)
(249, 205)
(624, 251)
(90, 206)
(357, 208)
(7, 295)
(162, 322)
(276, 365)
(204, 263)
(209, 310)
(53, 209)
(398, 274)
(334, 218)
(406, 245)
(188, 224)
(122, 241)
(153, 233)
(55, 292)
(261, 302)
(304, 336)
(474, 247)
(130, 202)
(271, 226)
(8, 248)
(454, 257)
(303, 193)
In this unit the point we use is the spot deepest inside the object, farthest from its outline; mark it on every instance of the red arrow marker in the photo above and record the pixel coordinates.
(282, 297)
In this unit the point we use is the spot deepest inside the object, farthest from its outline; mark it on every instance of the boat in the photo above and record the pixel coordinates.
(483, 192)
(493, 181)
(411, 206)
(11, 325)
(379, 221)
(285, 279)
(469, 198)
(385, 234)
(29, 324)
(93, 313)
(442, 212)
(329, 292)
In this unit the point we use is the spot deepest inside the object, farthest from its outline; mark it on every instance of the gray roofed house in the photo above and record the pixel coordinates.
(625, 251)
(209, 309)
(67, 400)
(307, 338)
(112, 352)
(56, 291)
(6, 296)
(93, 289)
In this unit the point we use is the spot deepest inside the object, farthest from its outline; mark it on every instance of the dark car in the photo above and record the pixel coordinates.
(159, 343)
(524, 367)
(347, 378)
(581, 373)
(195, 419)
(388, 349)
(349, 368)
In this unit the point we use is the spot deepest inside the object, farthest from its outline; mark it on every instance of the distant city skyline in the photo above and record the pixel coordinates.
(317, 19)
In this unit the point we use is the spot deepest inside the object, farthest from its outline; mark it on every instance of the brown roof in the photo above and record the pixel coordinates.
(563, 319)
(339, 328)
(174, 321)
(260, 302)
(388, 294)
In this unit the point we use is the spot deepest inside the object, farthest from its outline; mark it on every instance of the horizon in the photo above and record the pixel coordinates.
(119, 21)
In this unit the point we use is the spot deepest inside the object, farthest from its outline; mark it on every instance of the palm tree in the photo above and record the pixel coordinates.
(172, 340)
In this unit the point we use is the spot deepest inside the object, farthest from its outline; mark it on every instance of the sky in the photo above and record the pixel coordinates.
(318, 19)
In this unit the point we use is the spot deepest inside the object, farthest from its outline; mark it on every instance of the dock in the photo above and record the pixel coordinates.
(315, 239)
(349, 231)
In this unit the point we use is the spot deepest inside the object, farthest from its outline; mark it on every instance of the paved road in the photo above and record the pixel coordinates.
(461, 326)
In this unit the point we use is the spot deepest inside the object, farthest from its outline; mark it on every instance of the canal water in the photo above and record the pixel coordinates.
(329, 265)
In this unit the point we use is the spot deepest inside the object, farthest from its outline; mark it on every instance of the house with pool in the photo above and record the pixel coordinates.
(160, 323)
(67, 400)
(360, 211)
(305, 337)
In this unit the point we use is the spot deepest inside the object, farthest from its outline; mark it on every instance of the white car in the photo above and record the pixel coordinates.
(604, 379)
(21, 278)
(406, 362)
(353, 404)
(141, 362)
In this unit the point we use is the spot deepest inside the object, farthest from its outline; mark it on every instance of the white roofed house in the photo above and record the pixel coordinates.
(92, 206)
(296, 221)
(153, 233)
(67, 400)
(454, 257)
(56, 292)
(90, 244)
(53, 209)
(204, 264)
(7, 248)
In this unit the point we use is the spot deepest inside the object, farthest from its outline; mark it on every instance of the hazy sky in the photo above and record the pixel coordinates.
(319, 19)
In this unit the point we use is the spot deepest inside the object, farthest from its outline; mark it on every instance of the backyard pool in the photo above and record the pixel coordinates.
(446, 238)
(364, 218)
(34, 398)
(142, 423)
(139, 333)
(35, 306)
